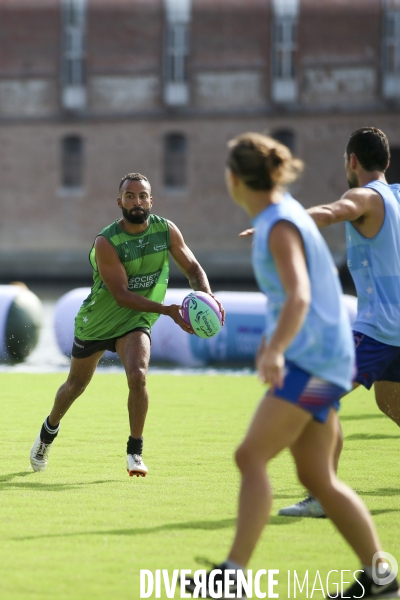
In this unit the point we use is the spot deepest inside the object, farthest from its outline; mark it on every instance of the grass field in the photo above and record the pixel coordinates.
(83, 529)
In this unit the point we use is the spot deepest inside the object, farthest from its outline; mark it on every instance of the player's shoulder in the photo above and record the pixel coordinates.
(283, 232)
(175, 235)
(355, 192)
(158, 222)
(361, 194)
(110, 229)
(172, 226)
(101, 240)
(109, 235)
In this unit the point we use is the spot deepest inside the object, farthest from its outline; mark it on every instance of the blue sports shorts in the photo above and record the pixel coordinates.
(314, 395)
(375, 360)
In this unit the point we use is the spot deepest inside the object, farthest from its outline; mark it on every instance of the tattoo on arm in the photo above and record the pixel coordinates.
(198, 280)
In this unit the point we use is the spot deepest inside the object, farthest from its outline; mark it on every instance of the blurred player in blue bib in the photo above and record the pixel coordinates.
(318, 346)
(307, 357)
(371, 212)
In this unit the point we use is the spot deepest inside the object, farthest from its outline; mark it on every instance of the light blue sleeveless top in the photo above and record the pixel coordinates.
(324, 347)
(374, 264)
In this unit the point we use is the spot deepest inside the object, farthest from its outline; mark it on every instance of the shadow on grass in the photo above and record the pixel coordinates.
(370, 436)
(205, 525)
(202, 525)
(361, 417)
(381, 492)
(11, 476)
(382, 511)
(7, 482)
(277, 520)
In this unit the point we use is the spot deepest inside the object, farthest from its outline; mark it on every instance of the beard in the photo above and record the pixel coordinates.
(136, 215)
(352, 181)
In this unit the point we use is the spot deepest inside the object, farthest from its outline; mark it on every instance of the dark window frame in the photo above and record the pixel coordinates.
(175, 146)
(73, 42)
(72, 162)
(285, 136)
(393, 172)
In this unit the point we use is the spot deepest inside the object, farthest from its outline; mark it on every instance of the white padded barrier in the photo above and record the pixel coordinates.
(20, 322)
(237, 342)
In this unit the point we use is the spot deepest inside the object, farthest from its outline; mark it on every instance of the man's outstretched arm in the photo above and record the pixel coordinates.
(189, 265)
(352, 205)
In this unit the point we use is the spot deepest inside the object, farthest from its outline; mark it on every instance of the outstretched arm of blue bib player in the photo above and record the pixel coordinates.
(286, 247)
(186, 261)
(115, 278)
(361, 206)
(351, 207)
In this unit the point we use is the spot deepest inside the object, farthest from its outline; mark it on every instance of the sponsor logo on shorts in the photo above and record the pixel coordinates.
(79, 345)
(358, 338)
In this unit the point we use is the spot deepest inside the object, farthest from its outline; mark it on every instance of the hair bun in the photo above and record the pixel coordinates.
(274, 159)
(262, 162)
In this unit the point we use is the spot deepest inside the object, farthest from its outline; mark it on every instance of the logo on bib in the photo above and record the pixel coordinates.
(142, 282)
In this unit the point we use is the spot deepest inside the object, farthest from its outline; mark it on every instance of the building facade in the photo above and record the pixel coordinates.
(93, 89)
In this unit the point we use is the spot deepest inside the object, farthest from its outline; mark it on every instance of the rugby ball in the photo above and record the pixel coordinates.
(201, 312)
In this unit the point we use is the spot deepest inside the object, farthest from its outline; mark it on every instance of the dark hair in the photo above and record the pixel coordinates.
(262, 162)
(132, 177)
(371, 147)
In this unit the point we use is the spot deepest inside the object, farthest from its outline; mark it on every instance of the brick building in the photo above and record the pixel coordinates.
(93, 89)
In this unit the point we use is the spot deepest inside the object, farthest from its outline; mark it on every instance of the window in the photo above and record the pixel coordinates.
(284, 47)
(286, 137)
(392, 42)
(391, 49)
(73, 54)
(393, 172)
(72, 162)
(175, 149)
(176, 52)
(284, 50)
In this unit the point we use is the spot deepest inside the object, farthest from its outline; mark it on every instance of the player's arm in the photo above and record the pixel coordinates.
(353, 205)
(114, 276)
(286, 247)
(189, 265)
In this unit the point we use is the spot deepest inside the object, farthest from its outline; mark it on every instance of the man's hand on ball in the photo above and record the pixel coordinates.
(174, 311)
(221, 308)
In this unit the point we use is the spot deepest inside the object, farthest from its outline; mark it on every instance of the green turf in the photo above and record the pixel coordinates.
(83, 529)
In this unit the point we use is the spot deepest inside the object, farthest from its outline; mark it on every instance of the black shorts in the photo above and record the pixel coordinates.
(86, 348)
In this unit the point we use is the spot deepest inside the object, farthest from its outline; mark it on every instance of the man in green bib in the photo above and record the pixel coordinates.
(130, 279)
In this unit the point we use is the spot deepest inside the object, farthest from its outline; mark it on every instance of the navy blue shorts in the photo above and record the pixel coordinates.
(375, 360)
(314, 395)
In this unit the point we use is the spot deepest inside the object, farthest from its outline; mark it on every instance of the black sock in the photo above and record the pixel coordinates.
(134, 445)
(48, 432)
